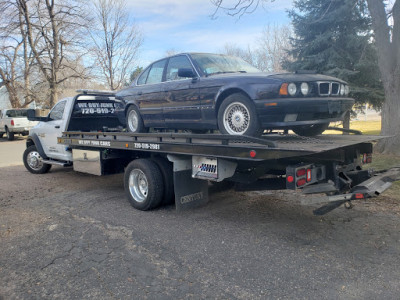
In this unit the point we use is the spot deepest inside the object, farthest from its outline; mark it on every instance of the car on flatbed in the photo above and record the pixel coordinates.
(164, 167)
(201, 92)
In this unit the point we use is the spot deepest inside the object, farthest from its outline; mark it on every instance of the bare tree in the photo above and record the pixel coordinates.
(269, 51)
(58, 28)
(16, 59)
(116, 41)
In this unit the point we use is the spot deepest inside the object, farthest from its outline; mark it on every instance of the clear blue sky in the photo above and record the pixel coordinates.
(186, 25)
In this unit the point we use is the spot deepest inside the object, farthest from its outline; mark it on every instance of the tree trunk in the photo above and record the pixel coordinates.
(346, 122)
(391, 116)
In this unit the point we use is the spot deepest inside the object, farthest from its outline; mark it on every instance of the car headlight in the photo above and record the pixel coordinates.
(292, 89)
(346, 90)
(304, 88)
(342, 89)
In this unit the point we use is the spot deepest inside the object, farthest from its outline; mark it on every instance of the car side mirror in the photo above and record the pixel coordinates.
(32, 116)
(186, 72)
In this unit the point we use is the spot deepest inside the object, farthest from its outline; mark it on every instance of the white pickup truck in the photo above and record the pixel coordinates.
(14, 121)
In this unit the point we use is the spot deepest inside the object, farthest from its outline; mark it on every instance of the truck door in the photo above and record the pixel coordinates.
(49, 131)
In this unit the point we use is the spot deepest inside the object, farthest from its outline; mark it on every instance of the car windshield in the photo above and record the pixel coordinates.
(216, 64)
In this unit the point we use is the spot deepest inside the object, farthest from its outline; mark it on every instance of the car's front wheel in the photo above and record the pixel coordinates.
(237, 116)
(134, 121)
(310, 130)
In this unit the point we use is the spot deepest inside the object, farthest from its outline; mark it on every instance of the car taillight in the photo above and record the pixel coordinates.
(12, 123)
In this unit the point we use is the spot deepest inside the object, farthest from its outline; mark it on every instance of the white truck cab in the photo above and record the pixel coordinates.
(87, 111)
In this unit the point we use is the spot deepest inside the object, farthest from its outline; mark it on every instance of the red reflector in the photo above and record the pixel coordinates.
(359, 196)
(290, 179)
(308, 174)
(12, 122)
(301, 172)
(301, 182)
(253, 153)
(369, 160)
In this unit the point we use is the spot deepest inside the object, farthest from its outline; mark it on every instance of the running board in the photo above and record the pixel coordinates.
(58, 163)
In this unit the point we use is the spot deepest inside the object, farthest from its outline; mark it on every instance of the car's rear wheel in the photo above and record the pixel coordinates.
(10, 135)
(237, 116)
(310, 130)
(134, 121)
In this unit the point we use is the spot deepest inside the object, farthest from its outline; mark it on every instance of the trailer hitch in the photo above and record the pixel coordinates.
(372, 187)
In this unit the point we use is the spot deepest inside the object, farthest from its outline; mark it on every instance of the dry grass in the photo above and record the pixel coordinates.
(366, 127)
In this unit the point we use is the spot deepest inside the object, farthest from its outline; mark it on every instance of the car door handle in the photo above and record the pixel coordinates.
(57, 126)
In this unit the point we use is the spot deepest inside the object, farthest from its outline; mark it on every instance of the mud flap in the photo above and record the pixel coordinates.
(189, 192)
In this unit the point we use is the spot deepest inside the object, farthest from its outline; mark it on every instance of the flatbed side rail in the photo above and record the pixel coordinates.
(224, 139)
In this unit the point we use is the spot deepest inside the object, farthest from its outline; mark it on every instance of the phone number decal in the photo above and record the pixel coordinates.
(91, 108)
(146, 146)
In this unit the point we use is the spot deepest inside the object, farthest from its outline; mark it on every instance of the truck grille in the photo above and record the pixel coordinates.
(328, 88)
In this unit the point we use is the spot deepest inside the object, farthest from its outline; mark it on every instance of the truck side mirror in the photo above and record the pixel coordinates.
(32, 116)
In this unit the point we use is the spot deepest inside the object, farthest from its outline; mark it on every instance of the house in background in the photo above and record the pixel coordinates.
(4, 99)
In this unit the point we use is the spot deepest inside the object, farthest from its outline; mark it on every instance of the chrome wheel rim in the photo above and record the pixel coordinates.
(236, 118)
(138, 185)
(133, 120)
(34, 160)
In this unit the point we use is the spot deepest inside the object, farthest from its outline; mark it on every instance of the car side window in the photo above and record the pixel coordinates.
(10, 113)
(175, 63)
(156, 72)
(142, 79)
(57, 111)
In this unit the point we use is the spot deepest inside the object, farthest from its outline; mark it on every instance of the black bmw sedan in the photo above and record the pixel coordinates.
(200, 92)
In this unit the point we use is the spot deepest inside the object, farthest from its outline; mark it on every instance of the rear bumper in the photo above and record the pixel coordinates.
(278, 113)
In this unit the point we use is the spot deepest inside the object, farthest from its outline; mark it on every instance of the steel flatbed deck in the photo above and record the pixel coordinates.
(271, 146)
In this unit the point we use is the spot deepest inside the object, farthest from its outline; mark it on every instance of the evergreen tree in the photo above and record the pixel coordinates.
(334, 37)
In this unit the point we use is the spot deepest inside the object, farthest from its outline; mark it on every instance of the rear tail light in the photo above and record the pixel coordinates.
(367, 158)
(301, 175)
(12, 123)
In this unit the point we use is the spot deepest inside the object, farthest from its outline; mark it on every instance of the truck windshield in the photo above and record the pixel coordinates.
(218, 64)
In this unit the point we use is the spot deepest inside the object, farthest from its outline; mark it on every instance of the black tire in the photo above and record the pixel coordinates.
(10, 135)
(33, 161)
(1, 134)
(237, 116)
(168, 178)
(134, 121)
(143, 184)
(310, 130)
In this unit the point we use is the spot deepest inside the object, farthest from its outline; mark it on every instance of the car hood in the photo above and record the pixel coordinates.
(285, 77)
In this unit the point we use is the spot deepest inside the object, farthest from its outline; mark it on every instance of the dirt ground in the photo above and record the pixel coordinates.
(67, 235)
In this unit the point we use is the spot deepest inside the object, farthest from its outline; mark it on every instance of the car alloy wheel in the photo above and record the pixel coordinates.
(236, 118)
(133, 120)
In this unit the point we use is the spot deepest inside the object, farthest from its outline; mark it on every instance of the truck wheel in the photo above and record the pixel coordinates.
(310, 130)
(134, 121)
(10, 135)
(237, 116)
(143, 184)
(1, 134)
(168, 178)
(33, 161)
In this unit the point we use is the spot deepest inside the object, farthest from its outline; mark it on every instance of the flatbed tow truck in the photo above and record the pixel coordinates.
(163, 167)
